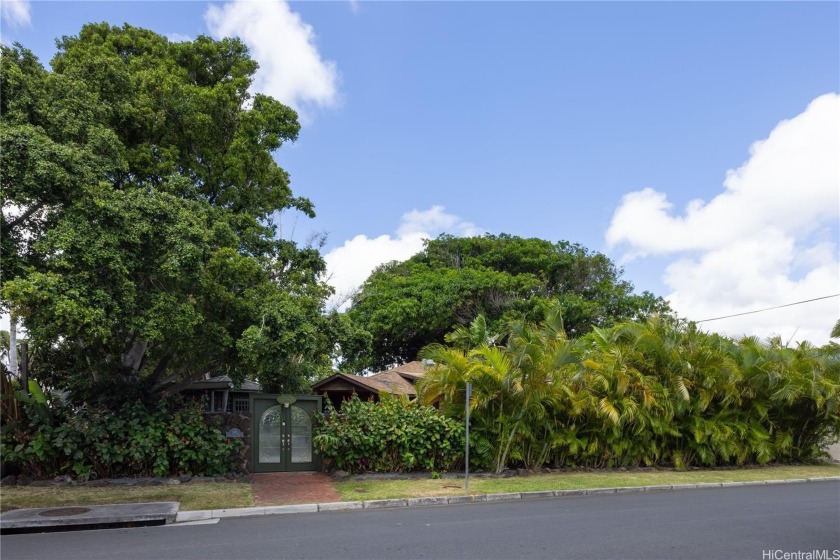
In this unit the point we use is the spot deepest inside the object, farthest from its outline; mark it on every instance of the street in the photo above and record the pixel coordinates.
(759, 522)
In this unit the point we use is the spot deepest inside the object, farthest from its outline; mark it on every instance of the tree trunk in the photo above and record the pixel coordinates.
(13, 360)
(133, 359)
(154, 378)
(24, 367)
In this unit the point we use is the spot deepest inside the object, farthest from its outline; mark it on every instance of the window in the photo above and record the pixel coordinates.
(218, 400)
(240, 403)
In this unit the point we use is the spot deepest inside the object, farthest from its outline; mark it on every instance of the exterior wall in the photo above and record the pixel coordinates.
(834, 451)
(226, 421)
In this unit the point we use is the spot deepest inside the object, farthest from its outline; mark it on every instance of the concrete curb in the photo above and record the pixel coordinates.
(51, 519)
(340, 506)
(629, 489)
(503, 497)
(188, 516)
(378, 504)
(427, 502)
(561, 493)
(539, 494)
(197, 515)
(300, 508)
(600, 491)
(460, 499)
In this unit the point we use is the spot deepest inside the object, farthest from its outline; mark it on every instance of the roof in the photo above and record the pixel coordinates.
(398, 381)
(224, 382)
(415, 369)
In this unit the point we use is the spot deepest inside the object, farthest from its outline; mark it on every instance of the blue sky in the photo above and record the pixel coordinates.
(593, 122)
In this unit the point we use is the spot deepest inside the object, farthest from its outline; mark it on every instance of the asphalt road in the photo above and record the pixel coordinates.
(761, 523)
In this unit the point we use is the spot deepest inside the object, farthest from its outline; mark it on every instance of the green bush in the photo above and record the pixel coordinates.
(168, 438)
(393, 435)
(654, 393)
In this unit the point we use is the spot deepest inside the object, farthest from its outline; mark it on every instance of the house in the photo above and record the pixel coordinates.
(276, 430)
(396, 381)
(220, 395)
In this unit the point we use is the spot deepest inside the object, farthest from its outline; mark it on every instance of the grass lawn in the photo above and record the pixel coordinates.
(383, 489)
(232, 495)
(211, 495)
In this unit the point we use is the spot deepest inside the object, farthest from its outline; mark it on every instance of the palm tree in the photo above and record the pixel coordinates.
(476, 334)
(655, 392)
(493, 398)
(517, 389)
(545, 359)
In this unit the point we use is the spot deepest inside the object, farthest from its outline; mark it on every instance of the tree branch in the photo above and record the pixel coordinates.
(176, 388)
(159, 369)
(25, 215)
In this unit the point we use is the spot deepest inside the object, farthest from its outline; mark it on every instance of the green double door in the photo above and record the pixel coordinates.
(282, 433)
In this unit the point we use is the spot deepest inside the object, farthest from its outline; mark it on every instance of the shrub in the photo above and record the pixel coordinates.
(392, 435)
(654, 393)
(168, 438)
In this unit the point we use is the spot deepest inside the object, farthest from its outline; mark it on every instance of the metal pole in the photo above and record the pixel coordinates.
(467, 452)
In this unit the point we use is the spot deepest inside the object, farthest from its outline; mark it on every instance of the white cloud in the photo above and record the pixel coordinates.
(349, 266)
(435, 220)
(291, 68)
(768, 239)
(15, 12)
(178, 37)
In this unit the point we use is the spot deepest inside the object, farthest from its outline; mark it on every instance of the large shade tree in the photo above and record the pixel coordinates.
(141, 203)
(408, 305)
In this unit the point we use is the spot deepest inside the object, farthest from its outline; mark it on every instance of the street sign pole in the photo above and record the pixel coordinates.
(467, 446)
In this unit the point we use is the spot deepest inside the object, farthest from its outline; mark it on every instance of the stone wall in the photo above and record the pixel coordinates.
(227, 421)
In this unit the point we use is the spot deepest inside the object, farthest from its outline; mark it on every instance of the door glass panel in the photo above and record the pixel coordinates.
(301, 436)
(271, 434)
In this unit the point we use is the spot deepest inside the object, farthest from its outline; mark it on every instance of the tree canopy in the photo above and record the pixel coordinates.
(141, 203)
(408, 305)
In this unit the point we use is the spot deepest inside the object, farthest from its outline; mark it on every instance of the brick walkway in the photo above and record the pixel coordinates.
(278, 489)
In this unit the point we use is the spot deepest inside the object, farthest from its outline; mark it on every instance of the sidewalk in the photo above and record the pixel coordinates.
(291, 488)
